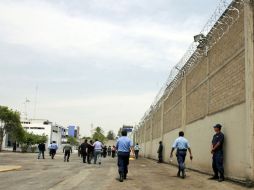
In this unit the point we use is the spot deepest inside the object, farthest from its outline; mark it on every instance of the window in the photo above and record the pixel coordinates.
(41, 128)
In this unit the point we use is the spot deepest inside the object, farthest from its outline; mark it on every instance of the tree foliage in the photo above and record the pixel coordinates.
(99, 134)
(72, 140)
(32, 139)
(119, 133)
(111, 135)
(9, 123)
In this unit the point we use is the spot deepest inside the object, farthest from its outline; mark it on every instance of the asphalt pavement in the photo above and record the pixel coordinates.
(144, 174)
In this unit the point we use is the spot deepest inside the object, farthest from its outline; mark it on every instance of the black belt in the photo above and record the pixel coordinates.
(182, 150)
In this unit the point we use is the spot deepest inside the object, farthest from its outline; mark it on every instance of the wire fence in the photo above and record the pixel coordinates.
(225, 15)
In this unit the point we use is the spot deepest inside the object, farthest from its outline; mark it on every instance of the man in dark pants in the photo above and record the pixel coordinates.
(136, 150)
(217, 152)
(67, 149)
(182, 145)
(89, 151)
(53, 149)
(83, 148)
(41, 148)
(123, 146)
(160, 149)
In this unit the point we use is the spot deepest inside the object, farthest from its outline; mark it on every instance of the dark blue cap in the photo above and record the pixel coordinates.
(217, 126)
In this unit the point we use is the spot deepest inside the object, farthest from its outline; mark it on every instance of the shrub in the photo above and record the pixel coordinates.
(24, 148)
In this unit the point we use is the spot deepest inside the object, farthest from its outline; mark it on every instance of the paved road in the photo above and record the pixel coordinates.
(55, 175)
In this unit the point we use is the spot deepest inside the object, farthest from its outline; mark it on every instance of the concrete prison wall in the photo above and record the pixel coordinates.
(217, 89)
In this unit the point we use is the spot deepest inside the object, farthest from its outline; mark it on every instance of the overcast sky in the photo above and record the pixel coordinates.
(97, 62)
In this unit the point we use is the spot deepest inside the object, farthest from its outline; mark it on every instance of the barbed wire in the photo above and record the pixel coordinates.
(225, 15)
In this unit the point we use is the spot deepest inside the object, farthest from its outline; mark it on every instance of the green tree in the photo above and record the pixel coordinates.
(119, 133)
(9, 123)
(99, 134)
(111, 135)
(72, 140)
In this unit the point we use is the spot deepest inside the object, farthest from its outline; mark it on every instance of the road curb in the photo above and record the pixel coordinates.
(6, 168)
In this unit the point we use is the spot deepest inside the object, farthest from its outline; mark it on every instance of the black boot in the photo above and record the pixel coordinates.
(221, 178)
(183, 174)
(121, 177)
(215, 177)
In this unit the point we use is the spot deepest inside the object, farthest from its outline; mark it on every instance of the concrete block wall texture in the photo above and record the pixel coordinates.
(218, 89)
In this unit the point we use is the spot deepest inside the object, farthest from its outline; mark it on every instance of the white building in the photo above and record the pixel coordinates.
(54, 132)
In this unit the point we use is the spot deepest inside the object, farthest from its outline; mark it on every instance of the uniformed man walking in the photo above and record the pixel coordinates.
(53, 149)
(182, 145)
(124, 147)
(217, 152)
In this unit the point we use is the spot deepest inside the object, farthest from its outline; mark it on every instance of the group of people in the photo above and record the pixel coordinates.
(95, 150)
(124, 148)
(181, 145)
(52, 149)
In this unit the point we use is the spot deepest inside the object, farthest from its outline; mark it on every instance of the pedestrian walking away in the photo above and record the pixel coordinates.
(41, 148)
(109, 151)
(79, 151)
(182, 145)
(89, 151)
(217, 154)
(67, 150)
(83, 149)
(104, 151)
(53, 149)
(113, 151)
(97, 151)
(136, 150)
(49, 148)
(160, 149)
(124, 147)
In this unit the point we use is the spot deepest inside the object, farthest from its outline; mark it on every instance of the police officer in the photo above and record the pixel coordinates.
(182, 145)
(53, 149)
(124, 147)
(217, 152)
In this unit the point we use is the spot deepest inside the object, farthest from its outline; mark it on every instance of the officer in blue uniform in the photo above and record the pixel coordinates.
(182, 145)
(124, 148)
(217, 152)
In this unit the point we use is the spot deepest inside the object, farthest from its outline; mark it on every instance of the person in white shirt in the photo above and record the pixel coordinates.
(182, 145)
(97, 151)
(136, 150)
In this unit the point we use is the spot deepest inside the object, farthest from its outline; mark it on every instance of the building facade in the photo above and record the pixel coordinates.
(54, 132)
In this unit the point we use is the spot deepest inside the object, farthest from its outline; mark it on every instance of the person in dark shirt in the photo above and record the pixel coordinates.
(41, 148)
(83, 149)
(90, 150)
(104, 153)
(217, 152)
(160, 149)
(109, 151)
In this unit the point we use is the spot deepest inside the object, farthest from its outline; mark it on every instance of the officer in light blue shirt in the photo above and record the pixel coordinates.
(124, 147)
(182, 145)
